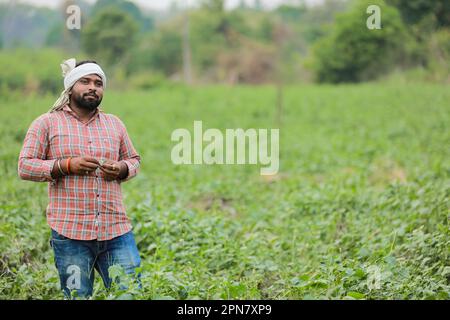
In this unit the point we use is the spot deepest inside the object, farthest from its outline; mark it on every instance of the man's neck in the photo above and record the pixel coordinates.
(83, 114)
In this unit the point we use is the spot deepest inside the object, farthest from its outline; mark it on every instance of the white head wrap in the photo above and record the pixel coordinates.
(79, 72)
(71, 75)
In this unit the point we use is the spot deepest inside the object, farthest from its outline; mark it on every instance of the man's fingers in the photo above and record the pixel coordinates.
(91, 160)
(88, 165)
(109, 175)
(108, 171)
(110, 166)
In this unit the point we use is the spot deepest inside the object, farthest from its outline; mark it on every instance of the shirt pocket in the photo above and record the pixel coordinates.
(106, 148)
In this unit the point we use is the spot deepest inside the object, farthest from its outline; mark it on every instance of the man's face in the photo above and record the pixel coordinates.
(88, 92)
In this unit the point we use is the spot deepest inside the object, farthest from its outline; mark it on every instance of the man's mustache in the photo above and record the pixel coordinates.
(90, 95)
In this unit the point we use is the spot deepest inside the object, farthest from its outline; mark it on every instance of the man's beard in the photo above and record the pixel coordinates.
(87, 103)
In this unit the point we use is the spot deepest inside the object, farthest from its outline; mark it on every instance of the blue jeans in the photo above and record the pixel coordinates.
(76, 260)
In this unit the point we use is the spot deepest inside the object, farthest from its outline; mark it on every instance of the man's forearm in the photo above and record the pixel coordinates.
(56, 173)
(35, 169)
(132, 165)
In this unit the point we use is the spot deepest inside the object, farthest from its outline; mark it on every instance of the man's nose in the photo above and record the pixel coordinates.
(91, 86)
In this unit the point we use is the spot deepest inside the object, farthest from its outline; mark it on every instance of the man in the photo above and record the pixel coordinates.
(85, 155)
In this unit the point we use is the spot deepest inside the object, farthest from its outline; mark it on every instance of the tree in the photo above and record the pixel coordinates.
(413, 11)
(110, 35)
(258, 5)
(214, 5)
(187, 61)
(144, 23)
(159, 51)
(353, 53)
(424, 19)
(59, 36)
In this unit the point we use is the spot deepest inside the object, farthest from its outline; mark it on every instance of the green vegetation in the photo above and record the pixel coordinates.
(109, 35)
(351, 53)
(292, 43)
(359, 208)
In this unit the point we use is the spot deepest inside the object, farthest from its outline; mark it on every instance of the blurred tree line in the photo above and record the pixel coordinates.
(413, 33)
(206, 43)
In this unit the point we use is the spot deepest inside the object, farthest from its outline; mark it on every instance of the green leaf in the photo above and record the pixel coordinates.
(356, 295)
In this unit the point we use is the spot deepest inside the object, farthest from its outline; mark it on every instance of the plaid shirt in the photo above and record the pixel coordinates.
(80, 207)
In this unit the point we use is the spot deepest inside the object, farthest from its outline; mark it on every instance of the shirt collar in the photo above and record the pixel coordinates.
(73, 113)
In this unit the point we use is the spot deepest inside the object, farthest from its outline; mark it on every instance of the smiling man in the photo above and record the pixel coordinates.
(85, 155)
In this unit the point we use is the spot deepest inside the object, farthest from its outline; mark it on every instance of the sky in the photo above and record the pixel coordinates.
(164, 4)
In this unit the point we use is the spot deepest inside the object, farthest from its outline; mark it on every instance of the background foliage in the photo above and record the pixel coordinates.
(293, 43)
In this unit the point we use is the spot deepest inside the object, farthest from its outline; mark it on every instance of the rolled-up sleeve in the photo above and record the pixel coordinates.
(33, 164)
(129, 155)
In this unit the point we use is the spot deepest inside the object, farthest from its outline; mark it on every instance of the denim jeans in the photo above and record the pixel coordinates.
(76, 260)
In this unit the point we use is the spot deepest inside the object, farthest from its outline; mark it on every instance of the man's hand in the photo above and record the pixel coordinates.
(83, 165)
(114, 170)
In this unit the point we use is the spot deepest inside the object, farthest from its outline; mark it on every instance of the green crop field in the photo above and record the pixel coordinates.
(358, 210)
